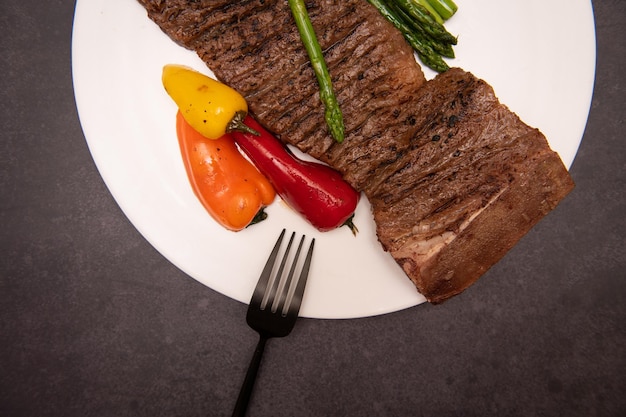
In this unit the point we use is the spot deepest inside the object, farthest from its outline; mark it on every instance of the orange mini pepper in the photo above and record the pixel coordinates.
(229, 187)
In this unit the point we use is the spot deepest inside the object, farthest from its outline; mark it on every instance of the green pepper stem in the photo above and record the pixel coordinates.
(236, 124)
(259, 217)
(350, 224)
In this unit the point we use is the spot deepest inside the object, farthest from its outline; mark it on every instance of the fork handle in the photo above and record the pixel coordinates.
(248, 383)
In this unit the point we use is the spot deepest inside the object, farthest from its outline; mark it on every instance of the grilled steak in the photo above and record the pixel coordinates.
(455, 179)
(473, 180)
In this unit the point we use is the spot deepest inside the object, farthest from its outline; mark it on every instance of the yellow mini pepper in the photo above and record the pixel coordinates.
(210, 107)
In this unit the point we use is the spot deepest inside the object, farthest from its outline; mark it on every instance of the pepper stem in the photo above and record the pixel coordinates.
(259, 217)
(236, 124)
(351, 225)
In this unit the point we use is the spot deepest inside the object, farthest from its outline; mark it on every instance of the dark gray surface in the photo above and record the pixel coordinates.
(94, 322)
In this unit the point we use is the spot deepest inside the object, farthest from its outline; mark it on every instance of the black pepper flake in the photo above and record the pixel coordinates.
(456, 153)
(436, 138)
(452, 120)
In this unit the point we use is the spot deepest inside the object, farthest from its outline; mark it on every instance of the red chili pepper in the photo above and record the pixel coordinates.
(314, 190)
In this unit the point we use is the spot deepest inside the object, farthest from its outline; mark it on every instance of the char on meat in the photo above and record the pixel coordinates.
(454, 177)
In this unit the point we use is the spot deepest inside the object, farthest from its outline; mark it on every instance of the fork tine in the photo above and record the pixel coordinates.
(281, 294)
(259, 290)
(274, 283)
(296, 291)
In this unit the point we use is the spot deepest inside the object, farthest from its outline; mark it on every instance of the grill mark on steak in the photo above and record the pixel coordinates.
(438, 141)
(454, 177)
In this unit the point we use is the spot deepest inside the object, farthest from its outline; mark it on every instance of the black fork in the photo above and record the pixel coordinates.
(274, 308)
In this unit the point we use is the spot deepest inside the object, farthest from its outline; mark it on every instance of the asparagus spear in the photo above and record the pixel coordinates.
(424, 50)
(440, 47)
(332, 114)
(426, 20)
(445, 8)
(427, 5)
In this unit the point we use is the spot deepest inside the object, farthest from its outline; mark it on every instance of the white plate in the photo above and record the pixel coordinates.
(538, 54)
